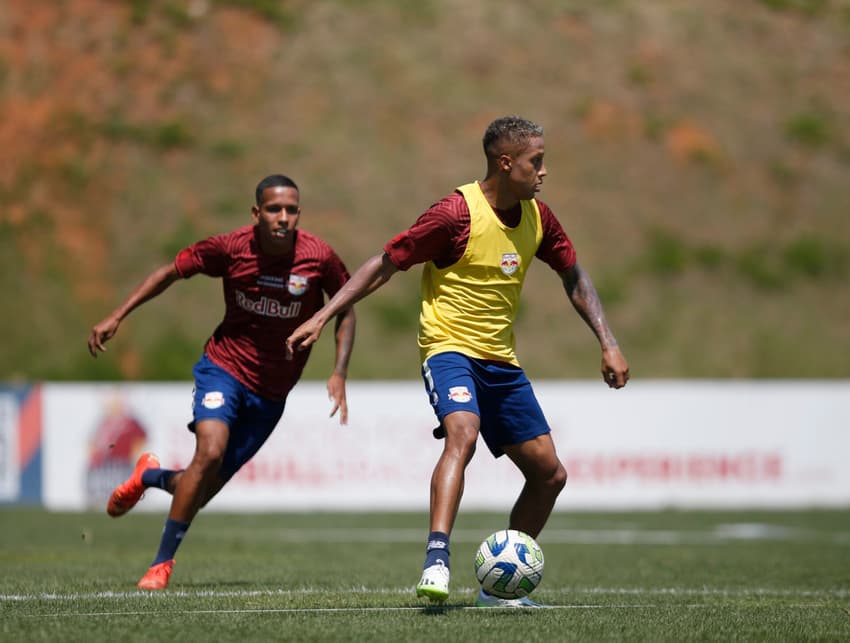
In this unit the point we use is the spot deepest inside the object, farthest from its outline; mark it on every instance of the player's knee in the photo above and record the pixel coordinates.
(559, 479)
(463, 450)
(462, 433)
(211, 443)
(552, 481)
(209, 456)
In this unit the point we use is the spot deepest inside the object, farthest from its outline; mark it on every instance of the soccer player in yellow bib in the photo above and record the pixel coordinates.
(477, 244)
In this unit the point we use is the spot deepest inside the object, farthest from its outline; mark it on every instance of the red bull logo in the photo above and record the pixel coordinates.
(297, 285)
(459, 394)
(510, 263)
(213, 400)
(267, 306)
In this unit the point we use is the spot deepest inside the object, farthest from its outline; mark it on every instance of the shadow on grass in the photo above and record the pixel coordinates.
(442, 610)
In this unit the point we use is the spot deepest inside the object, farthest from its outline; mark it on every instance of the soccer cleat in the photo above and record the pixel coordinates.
(434, 583)
(488, 600)
(156, 577)
(127, 494)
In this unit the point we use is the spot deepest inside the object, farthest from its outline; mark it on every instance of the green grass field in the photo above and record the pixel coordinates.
(668, 576)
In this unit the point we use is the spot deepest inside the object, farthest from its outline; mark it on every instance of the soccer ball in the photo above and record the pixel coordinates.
(509, 564)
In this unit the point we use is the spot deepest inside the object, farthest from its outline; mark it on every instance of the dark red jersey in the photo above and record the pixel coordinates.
(266, 298)
(441, 233)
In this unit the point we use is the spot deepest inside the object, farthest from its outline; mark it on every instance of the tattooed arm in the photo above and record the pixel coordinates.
(582, 295)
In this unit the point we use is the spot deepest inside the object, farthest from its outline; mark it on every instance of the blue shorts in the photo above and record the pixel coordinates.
(498, 393)
(251, 418)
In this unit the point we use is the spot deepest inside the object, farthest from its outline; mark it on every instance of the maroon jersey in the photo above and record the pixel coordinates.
(266, 298)
(441, 233)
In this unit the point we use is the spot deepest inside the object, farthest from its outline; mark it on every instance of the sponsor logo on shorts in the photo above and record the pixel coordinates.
(510, 263)
(459, 394)
(297, 285)
(213, 400)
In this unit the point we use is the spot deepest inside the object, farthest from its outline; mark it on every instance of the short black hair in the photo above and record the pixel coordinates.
(273, 181)
(512, 129)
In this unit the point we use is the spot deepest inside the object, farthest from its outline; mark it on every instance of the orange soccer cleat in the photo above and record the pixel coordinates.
(128, 493)
(156, 577)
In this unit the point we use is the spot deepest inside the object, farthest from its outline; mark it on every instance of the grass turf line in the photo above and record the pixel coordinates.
(246, 577)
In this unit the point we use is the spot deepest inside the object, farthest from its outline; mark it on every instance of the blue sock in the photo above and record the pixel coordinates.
(172, 536)
(437, 549)
(158, 478)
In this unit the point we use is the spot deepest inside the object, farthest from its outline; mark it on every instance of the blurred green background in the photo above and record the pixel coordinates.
(698, 156)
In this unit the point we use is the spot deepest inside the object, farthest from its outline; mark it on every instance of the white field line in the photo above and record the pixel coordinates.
(340, 610)
(326, 610)
(718, 535)
(695, 592)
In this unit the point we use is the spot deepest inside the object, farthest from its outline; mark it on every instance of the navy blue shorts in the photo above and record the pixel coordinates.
(251, 418)
(499, 393)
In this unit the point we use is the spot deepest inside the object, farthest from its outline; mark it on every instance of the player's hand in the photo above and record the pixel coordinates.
(102, 333)
(615, 369)
(303, 337)
(336, 394)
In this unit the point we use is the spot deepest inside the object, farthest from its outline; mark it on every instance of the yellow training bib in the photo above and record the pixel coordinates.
(470, 306)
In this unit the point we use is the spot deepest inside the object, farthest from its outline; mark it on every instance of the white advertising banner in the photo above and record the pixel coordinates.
(10, 473)
(651, 445)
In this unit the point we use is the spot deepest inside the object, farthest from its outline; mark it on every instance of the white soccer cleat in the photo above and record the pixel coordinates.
(488, 600)
(434, 583)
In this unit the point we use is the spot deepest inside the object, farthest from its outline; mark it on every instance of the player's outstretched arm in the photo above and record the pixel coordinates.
(345, 325)
(373, 274)
(154, 284)
(583, 296)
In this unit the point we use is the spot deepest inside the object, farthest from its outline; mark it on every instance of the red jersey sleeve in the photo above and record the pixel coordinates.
(555, 249)
(439, 235)
(335, 275)
(208, 257)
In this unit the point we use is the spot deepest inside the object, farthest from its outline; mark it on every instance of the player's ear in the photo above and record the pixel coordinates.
(505, 162)
(255, 213)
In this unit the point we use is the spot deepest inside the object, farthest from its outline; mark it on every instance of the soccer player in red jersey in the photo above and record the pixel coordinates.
(477, 244)
(275, 277)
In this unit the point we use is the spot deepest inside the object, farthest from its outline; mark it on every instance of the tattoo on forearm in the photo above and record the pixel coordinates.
(585, 300)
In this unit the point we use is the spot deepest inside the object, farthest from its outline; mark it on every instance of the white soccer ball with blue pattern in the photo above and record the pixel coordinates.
(509, 564)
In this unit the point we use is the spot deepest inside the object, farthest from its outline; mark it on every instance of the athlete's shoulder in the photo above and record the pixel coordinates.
(547, 216)
(234, 238)
(542, 206)
(310, 237)
(307, 238)
(223, 243)
(310, 244)
(556, 248)
(455, 199)
(452, 207)
(242, 241)
(213, 254)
